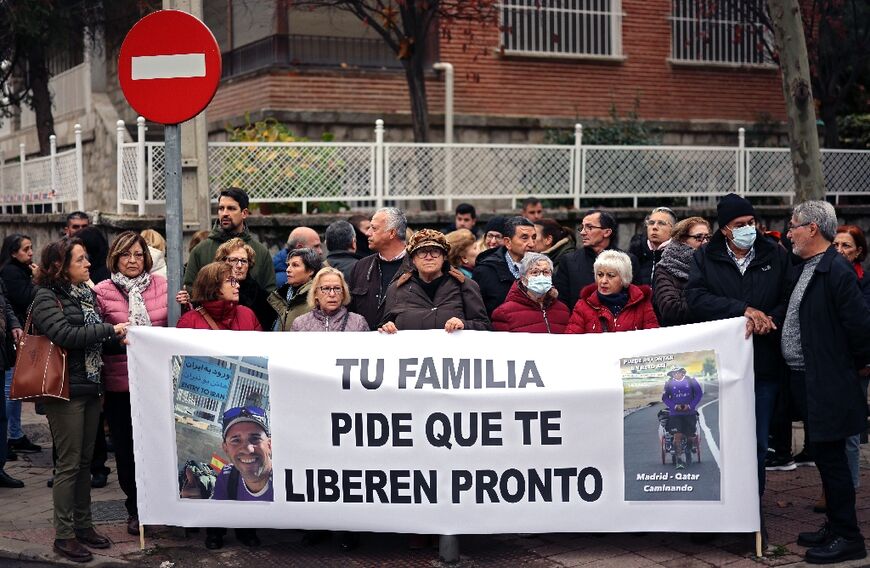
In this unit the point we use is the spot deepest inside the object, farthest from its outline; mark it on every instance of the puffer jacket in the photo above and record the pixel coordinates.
(113, 306)
(59, 316)
(669, 299)
(226, 314)
(20, 289)
(523, 314)
(289, 311)
(342, 320)
(204, 252)
(590, 316)
(409, 307)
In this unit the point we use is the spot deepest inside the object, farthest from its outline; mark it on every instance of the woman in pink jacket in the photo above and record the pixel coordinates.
(131, 294)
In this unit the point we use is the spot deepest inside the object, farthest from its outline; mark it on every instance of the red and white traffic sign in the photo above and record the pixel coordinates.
(169, 66)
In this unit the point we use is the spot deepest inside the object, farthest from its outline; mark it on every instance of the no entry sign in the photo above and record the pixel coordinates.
(169, 66)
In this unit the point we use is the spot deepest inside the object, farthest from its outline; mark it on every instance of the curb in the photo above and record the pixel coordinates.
(29, 551)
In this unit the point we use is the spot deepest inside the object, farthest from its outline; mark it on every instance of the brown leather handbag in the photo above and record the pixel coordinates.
(40, 367)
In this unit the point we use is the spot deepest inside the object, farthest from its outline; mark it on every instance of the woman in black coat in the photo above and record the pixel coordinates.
(64, 311)
(672, 271)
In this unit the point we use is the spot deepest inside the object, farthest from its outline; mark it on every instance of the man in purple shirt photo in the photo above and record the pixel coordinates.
(248, 446)
(681, 395)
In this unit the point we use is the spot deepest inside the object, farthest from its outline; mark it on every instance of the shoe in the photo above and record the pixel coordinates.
(11, 456)
(214, 541)
(249, 538)
(133, 525)
(820, 506)
(776, 463)
(90, 537)
(99, 480)
(24, 445)
(803, 459)
(7, 480)
(816, 538)
(837, 550)
(72, 549)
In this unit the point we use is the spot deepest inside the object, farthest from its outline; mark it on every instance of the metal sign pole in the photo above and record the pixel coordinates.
(174, 236)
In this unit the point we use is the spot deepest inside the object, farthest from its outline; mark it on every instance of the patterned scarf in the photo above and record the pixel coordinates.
(134, 288)
(676, 259)
(93, 353)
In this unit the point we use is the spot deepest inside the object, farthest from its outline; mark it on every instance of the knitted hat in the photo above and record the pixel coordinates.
(428, 238)
(495, 224)
(732, 206)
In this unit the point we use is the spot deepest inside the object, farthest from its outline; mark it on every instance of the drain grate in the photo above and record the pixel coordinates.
(104, 511)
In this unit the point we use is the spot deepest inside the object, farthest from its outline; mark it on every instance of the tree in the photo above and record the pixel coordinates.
(408, 27)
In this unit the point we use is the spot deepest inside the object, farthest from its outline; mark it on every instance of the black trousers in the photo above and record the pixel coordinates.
(833, 468)
(119, 418)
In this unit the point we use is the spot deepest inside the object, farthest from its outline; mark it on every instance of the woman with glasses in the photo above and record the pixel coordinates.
(531, 304)
(291, 300)
(672, 271)
(131, 294)
(241, 257)
(216, 301)
(649, 246)
(433, 294)
(328, 298)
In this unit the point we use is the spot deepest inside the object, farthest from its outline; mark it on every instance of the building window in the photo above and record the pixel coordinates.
(719, 32)
(562, 28)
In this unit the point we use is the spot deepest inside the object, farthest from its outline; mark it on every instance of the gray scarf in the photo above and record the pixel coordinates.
(93, 352)
(138, 314)
(676, 259)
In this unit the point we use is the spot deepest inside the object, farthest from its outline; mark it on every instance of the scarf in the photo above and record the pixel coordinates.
(93, 352)
(134, 288)
(676, 259)
(614, 302)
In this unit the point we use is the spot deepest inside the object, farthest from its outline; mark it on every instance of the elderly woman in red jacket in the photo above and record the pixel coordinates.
(130, 294)
(216, 301)
(612, 303)
(531, 304)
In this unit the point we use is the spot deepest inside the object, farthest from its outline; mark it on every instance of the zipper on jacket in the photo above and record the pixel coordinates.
(546, 321)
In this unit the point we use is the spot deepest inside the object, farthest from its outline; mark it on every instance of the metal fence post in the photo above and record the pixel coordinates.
(741, 161)
(52, 163)
(80, 169)
(119, 145)
(379, 163)
(577, 160)
(22, 157)
(140, 165)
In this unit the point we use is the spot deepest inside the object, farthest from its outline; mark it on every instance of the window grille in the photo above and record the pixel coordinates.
(562, 28)
(717, 31)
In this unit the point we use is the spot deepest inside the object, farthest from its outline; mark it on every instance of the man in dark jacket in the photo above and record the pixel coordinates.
(371, 277)
(497, 269)
(743, 273)
(574, 270)
(232, 212)
(825, 341)
(341, 244)
(649, 245)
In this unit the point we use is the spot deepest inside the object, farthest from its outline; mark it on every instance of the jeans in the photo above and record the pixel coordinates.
(13, 410)
(765, 401)
(853, 447)
(2, 429)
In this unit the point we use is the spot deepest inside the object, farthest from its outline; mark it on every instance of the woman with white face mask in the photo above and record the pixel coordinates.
(531, 304)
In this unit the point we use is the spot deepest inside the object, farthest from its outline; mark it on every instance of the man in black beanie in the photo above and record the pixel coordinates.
(741, 272)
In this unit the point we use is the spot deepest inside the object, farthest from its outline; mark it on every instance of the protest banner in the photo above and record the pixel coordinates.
(429, 432)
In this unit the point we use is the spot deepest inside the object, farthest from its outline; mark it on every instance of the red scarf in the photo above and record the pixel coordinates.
(859, 270)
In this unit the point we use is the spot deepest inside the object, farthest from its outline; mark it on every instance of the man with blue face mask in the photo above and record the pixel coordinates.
(741, 272)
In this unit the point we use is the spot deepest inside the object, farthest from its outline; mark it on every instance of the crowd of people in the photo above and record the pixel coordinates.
(804, 295)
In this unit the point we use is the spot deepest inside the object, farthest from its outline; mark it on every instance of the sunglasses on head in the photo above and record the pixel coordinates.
(239, 411)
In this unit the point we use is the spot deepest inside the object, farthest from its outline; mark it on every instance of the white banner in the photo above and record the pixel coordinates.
(429, 432)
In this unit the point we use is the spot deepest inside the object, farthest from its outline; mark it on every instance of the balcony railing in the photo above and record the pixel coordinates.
(309, 51)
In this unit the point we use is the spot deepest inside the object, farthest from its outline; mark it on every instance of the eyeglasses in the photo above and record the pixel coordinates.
(793, 227)
(137, 256)
(701, 238)
(248, 411)
(236, 261)
(656, 222)
(430, 252)
(232, 282)
(493, 235)
(588, 228)
(536, 272)
(330, 290)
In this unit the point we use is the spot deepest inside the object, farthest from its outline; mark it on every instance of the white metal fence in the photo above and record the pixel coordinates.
(56, 179)
(379, 172)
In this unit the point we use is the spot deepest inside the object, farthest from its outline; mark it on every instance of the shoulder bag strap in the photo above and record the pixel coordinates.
(208, 319)
(233, 485)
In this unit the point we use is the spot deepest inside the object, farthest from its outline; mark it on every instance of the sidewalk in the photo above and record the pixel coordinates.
(26, 532)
